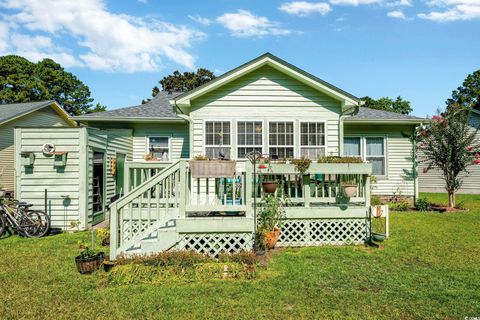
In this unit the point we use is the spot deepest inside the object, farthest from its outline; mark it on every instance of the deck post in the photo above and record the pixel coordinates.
(126, 178)
(184, 193)
(113, 231)
(248, 189)
(367, 191)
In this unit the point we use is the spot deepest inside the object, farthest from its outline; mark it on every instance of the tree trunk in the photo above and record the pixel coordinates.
(451, 199)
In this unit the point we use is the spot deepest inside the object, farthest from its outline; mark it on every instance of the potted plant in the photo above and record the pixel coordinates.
(269, 182)
(203, 167)
(104, 234)
(108, 265)
(270, 220)
(89, 260)
(301, 165)
(349, 187)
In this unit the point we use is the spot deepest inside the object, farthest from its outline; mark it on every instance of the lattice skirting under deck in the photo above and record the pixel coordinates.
(214, 243)
(316, 232)
(132, 228)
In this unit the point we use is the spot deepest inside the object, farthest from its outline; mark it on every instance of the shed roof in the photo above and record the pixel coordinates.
(159, 108)
(11, 111)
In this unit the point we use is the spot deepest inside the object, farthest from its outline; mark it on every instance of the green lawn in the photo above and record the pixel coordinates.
(430, 268)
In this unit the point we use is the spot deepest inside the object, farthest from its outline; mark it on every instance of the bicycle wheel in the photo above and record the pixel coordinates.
(3, 224)
(34, 224)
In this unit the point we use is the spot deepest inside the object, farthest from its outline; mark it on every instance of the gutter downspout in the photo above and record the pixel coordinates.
(190, 129)
(346, 114)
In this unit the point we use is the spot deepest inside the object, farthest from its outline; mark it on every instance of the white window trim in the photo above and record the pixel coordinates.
(282, 146)
(169, 138)
(237, 145)
(312, 147)
(363, 149)
(204, 142)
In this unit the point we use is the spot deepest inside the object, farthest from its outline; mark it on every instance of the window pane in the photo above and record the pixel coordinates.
(241, 152)
(217, 133)
(351, 146)
(378, 165)
(312, 153)
(312, 134)
(158, 142)
(374, 146)
(214, 152)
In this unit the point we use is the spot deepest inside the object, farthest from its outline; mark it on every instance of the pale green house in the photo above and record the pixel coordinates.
(265, 105)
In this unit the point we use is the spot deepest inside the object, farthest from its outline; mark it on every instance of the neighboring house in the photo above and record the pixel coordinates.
(432, 181)
(265, 105)
(39, 114)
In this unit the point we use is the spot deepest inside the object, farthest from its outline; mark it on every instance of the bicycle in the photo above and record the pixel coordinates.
(18, 216)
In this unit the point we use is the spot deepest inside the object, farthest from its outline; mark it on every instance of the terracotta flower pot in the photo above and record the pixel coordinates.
(272, 238)
(350, 189)
(269, 186)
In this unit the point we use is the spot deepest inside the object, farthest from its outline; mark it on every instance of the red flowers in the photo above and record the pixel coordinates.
(476, 161)
(262, 166)
(470, 148)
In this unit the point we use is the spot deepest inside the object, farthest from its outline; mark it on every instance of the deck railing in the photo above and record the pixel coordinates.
(173, 193)
(137, 173)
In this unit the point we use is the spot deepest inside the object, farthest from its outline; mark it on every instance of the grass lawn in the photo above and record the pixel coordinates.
(429, 268)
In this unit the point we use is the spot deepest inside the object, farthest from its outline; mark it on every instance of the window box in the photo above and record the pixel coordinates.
(212, 168)
(60, 159)
(27, 158)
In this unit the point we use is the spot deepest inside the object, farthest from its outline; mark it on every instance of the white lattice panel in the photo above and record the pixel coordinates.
(316, 232)
(132, 228)
(214, 243)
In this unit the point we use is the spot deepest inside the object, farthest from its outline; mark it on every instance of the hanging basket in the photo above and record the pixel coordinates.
(269, 186)
(212, 168)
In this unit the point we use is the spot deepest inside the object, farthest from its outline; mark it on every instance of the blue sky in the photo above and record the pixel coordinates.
(419, 49)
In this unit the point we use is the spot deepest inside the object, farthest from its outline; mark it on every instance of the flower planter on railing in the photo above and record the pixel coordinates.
(316, 168)
(212, 168)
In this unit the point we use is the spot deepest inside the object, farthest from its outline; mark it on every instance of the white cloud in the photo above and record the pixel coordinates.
(353, 2)
(452, 10)
(398, 14)
(111, 42)
(143, 1)
(399, 3)
(303, 8)
(245, 24)
(201, 20)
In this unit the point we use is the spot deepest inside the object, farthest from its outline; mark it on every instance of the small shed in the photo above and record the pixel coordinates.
(42, 113)
(73, 173)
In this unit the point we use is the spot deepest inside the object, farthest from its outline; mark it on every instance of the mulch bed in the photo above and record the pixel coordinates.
(440, 208)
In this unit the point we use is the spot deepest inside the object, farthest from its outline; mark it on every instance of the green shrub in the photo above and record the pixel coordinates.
(337, 159)
(375, 201)
(423, 204)
(243, 257)
(399, 206)
(177, 260)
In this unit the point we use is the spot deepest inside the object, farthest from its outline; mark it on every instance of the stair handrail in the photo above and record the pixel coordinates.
(132, 194)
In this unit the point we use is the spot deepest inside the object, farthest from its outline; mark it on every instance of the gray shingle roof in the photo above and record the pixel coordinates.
(372, 114)
(14, 110)
(158, 107)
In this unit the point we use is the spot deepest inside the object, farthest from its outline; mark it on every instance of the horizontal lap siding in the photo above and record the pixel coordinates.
(119, 141)
(178, 134)
(46, 117)
(43, 175)
(265, 94)
(432, 181)
(399, 162)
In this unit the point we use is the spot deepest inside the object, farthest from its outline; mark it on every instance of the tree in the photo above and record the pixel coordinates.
(186, 81)
(448, 144)
(386, 104)
(468, 94)
(24, 81)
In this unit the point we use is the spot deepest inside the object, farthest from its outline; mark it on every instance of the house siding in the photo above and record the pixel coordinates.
(432, 180)
(45, 117)
(399, 179)
(59, 182)
(266, 94)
